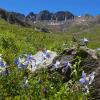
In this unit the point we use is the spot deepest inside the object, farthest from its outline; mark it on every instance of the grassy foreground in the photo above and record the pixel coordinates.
(16, 40)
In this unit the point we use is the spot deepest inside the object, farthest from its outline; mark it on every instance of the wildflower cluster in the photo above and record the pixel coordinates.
(44, 84)
(32, 61)
(86, 80)
(66, 65)
(3, 65)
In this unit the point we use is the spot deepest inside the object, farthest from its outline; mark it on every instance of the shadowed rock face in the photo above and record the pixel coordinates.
(3, 14)
(13, 17)
(44, 15)
(95, 87)
(18, 16)
(63, 16)
(90, 63)
(31, 17)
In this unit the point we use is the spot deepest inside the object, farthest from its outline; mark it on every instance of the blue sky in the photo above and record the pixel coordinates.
(78, 7)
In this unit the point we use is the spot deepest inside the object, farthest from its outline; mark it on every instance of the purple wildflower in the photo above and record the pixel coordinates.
(57, 64)
(1, 64)
(44, 90)
(83, 74)
(67, 65)
(83, 79)
(29, 57)
(6, 72)
(91, 77)
(16, 61)
(46, 54)
(86, 80)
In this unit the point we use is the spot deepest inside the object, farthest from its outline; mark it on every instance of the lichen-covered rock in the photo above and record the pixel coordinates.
(33, 62)
(42, 60)
(89, 57)
(63, 63)
(96, 84)
(90, 62)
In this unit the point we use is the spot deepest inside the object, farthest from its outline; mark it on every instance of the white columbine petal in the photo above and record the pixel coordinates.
(57, 64)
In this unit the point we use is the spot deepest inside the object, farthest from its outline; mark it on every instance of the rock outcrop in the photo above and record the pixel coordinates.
(90, 62)
(13, 17)
(41, 60)
(44, 15)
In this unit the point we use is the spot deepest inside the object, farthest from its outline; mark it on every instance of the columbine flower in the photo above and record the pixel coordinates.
(83, 74)
(1, 64)
(57, 64)
(20, 62)
(25, 63)
(85, 39)
(83, 81)
(44, 90)
(91, 77)
(29, 57)
(16, 61)
(46, 54)
(87, 80)
(6, 72)
(66, 66)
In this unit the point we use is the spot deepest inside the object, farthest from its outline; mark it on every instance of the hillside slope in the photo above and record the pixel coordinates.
(28, 38)
(16, 83)
(47, 21)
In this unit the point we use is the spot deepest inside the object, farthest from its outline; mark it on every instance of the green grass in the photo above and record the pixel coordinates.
(28, 39)
(15, 40)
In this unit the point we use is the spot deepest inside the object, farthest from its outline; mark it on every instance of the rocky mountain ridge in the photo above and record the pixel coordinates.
(59, 21)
